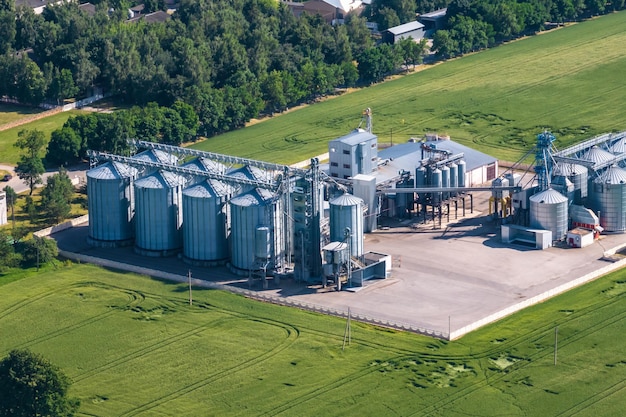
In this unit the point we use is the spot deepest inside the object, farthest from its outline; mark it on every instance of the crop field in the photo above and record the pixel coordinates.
(570, 81)
(134, 346)
(9, 154)
(11, 113)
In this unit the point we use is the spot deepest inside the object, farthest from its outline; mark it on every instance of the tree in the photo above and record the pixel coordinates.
(11, 198)
(30, 208)
(30, 166)
(56, 197)
(31, 386)
(64, 148)
(8, 257)
(38, 251)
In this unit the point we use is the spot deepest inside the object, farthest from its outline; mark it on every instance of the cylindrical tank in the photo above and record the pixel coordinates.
(597, 155)
(205, 165)
(619, 147)
(420, 180)
(111, 204)
(608, 199)
(578, 175)
(262, 243)
(445, 180)
(462, 167)
(436, 181)
(346, 211)
(564, 186)
(404, 201)
(158, 214)
(205, 222)
(500, 182)
(454, 177)
(249, 211)
(548, 211)
(250, 173)
(156, 155)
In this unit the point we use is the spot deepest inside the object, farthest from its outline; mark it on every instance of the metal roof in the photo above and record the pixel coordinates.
(598, 155)
(160, 179)
(208, 189)
(549, 196)
(204, 164)
(346, 200)
(619, 146)
(249, 172)
(565, 169)
(256, 197)
(156, 155)
(112, 171)
(344, 5)
(434, 14)
(355, 137)
(407, 27)
(613, 175)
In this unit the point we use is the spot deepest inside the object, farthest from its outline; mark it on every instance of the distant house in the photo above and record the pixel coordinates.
(433, 21)
(155, 17)
(88, 8)
(411, 30)
(330, 10)
(37, 5)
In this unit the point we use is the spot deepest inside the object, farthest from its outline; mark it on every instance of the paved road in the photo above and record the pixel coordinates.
(20, 186)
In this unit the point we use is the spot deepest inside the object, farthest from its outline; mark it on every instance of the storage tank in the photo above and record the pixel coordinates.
(204, 165)
(548, 211)
(346, 211)
(454, 177)
(578, 175)
(404, 201)
(159, 214)
(619, 147)
(564, 186)
(436, 181)
(462, 168)
(250, 211)
(156, 155)
(111, 204)
(597, 155)
(608, 199)
(420, 181)
(445, 181)
(205, 222)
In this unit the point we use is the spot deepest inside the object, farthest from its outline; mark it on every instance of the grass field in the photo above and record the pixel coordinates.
(10, 113)
(570, 81)
(9, 154)
(133, 346)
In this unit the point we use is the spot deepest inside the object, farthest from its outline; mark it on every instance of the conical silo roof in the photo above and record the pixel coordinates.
(549, 196)
(156, 155)
(567, 169)
(112, 171)
(160, 179)
(619, 147)
(598, 155)
(256, 197)
(346, 200)
(204, 164)
(613, 175)
(249, 173)
(208, 189)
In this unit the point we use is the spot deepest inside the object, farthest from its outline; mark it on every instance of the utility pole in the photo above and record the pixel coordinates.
(189, 278)
(347, 332)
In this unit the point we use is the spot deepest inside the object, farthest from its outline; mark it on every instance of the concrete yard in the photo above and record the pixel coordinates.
(442, 280)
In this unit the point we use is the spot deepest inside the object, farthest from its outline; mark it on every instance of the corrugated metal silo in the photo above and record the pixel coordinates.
(462, 166)
(436, 181)
(156, 155)
(158, 214)
(404, 201)
(548, 211)
(619, 147)
(346, 211)
(608, 198)
(205, 222)
(445, 180)
(578, 175)
(111, 204)
(248, 212)
(420, 177)
(249, 173)
(205, 165)
(564, 186)
(454, 177)
(597, 155)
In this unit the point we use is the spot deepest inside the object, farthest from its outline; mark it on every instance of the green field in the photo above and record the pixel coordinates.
(133, 346)
(10, 113)
(9, 154)
(570, 81)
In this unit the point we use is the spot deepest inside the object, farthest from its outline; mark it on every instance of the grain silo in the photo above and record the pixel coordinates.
(461, 168)
(158, 156)
(436, 182)
(619, 147)
(548, 211)
(454, 177)
(158, 214)
(608, 199)
(248, 172)
(578, 175)
(597, 155)
(346, 211)
(256, 209)
(204, 165)
(111, 204)
(205, 222)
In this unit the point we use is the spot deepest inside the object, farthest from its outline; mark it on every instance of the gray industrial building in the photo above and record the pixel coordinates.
(412, 30)
(352, 154)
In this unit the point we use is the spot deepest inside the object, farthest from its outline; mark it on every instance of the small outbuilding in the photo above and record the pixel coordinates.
(579, 238)
(433, 21)
(411, 30)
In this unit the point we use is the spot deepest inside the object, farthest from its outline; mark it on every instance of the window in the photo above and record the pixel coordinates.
(373, 145)
(346, 152)
(346, 166)
(345, 177)
(334, 174)
(334, 164)
(373, 159)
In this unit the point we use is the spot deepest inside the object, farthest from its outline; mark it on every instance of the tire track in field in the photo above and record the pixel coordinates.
(122, 360)
(135, 298)
(594, 399)
(529, 359)
(292, 335)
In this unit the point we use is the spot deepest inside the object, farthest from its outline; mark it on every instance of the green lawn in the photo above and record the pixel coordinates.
(133, 346)
(9, 154)
(10, 113)
(570, 81)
